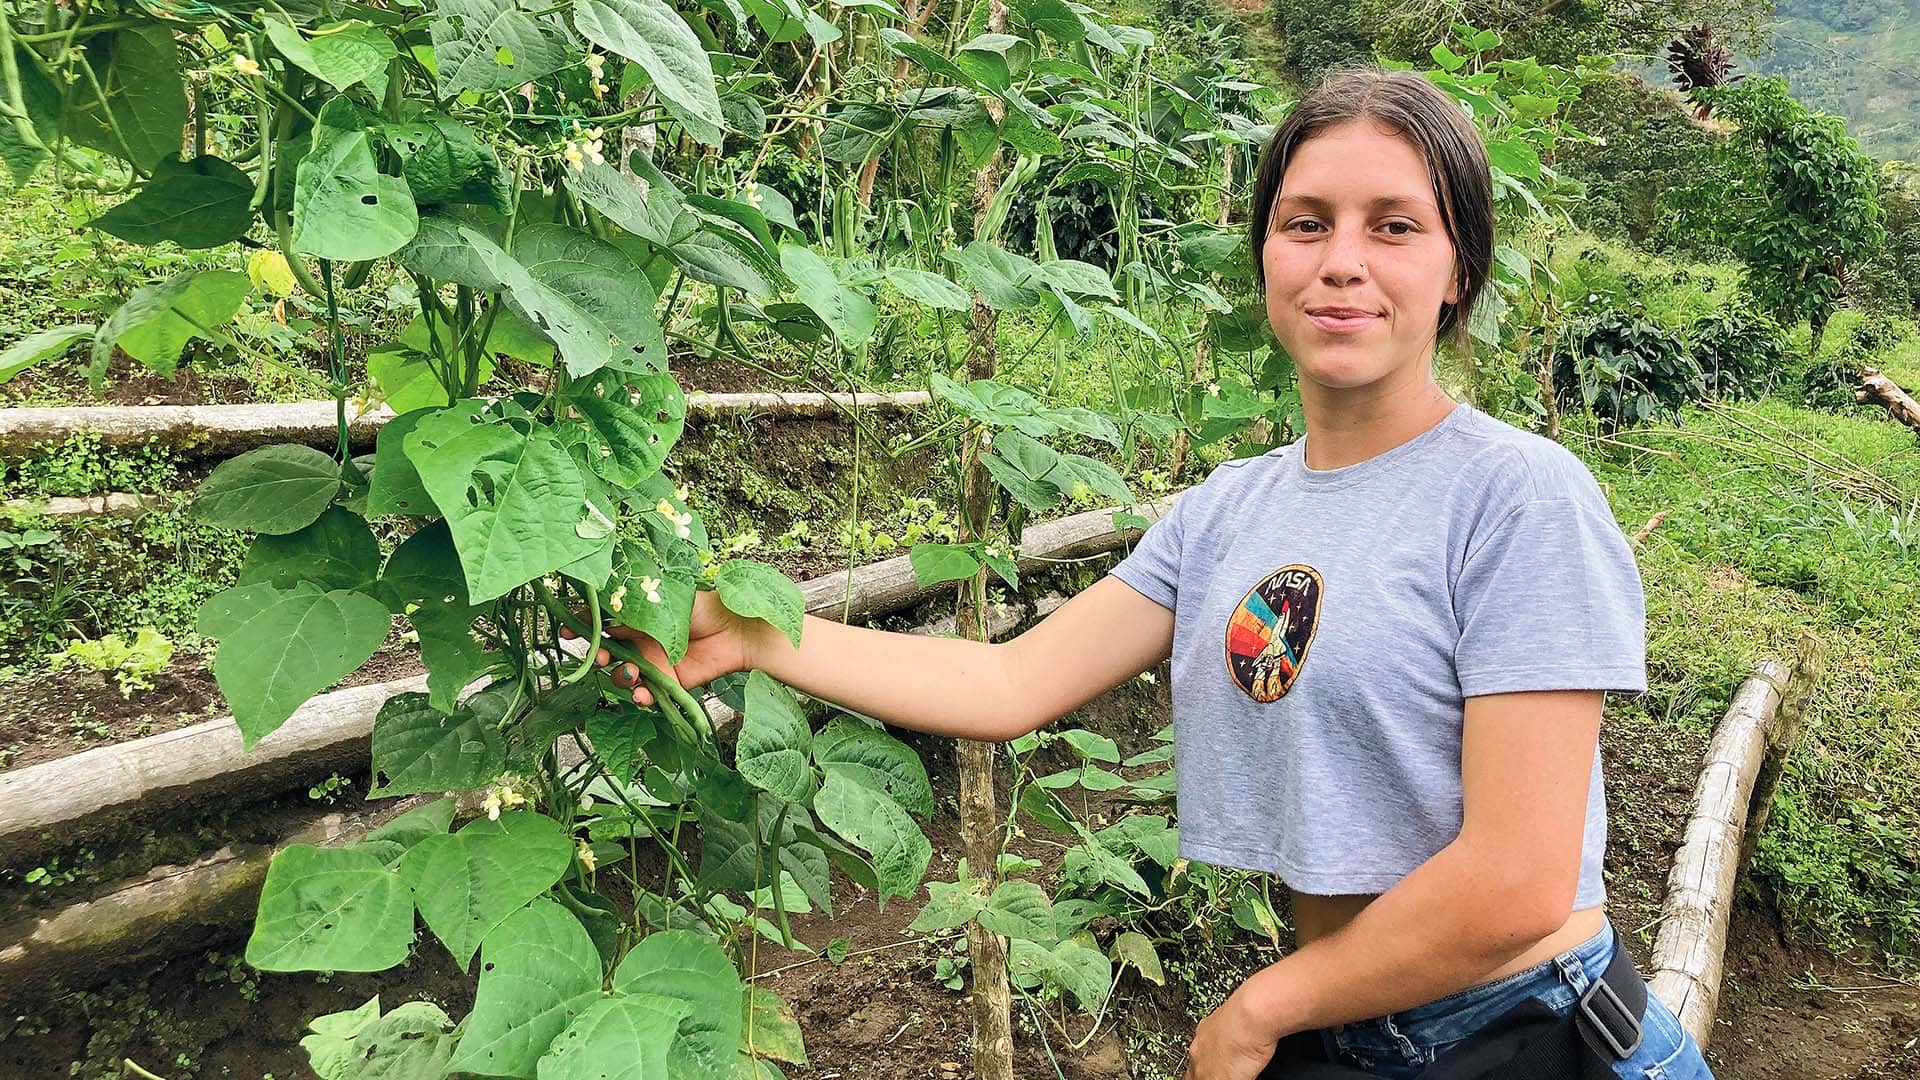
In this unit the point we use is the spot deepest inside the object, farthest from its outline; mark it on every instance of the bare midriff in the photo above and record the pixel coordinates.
(1316, 916)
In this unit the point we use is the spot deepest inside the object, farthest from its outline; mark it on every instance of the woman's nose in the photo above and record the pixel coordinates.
(1341, 260)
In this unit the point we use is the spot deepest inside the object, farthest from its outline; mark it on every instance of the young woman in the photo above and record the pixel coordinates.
(1390, 639)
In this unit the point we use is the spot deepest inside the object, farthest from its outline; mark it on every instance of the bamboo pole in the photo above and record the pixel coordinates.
(61, 803)
(175, 909)
(225, 430)
(1689, 951)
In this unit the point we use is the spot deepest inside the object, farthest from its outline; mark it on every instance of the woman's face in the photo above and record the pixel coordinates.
(1357, 260)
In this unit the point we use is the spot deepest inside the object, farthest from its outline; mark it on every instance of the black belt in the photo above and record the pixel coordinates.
(1527, 1042)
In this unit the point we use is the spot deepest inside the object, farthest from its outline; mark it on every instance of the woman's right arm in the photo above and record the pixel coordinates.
(1103, 636)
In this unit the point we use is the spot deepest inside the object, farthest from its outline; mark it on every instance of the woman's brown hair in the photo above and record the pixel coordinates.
(1437, 126)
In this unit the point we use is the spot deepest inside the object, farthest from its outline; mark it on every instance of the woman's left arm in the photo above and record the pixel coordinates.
(1505, 882)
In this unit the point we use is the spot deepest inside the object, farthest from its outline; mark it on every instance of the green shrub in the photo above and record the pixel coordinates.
(1623, 367)
(1740, 351)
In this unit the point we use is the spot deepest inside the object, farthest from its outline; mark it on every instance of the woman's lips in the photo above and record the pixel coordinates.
(1343, 324)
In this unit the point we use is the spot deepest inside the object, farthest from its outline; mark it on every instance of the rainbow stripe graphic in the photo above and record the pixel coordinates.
(1252, 629)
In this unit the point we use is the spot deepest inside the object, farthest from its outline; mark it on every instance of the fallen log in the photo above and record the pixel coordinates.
(61, 803)
(226, 430)
(1689, 950)
(1877, 389)
(176, 909)
(117, 504)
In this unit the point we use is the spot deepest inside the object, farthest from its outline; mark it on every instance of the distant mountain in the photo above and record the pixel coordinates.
(1859, 59)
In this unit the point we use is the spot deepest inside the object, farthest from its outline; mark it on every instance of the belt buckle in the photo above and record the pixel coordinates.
(1600, 986)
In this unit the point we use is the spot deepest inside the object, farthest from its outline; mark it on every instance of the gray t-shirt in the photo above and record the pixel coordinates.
(1329, 624)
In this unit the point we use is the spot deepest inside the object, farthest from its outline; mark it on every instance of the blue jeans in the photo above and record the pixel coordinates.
(1399, 1045)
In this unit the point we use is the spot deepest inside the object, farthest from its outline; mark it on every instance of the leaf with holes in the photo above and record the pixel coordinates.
(538, 971)
(413, 1041)
(279, 647)
(330, 909)
(469, 882)
(417, 748)
(632, 423)
(444, 161)
(604, 283)
(344, 207)
(493, 45)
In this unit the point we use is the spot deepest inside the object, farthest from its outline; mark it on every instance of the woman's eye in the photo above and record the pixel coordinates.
(1304, 221)
(1408, 226)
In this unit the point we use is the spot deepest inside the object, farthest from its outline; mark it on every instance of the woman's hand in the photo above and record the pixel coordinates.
(1230, 1044)
(719, 642)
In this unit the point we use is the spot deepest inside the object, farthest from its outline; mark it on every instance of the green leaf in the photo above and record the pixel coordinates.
(950, 904)
(1075, 471)
(626, 1037)
(1447, 58)
(158, 320)
(439, 251)
(344, 207)
(667, 621)
(935, 563)
(407, 381)
(870, 756)
(873, 821)
(1078, 277)
(512, 500)
(330, 909)
(279, 647)
(1090, 746)
(651, 34)
(690, 970)
(424, 574)
(1019, 909)
(775, 741)
(772, 1031)
(138, 70)
(417, 824)
(1051, 17)
(488, 45)
(584, 341)
(759, 591)
(1515, 156)
(1084, 972)
(444, 161)
(413, 1042)
(930, 289)
(275, 489)
(396, 485)
(34, 348)
(538, 971)
(998, 275)
(202, 203)
(1021, 465)
(469, 882)
(337, 551)
(339, 54)
(848, 314)
(732, 859)
(24, 142)
(417, 748)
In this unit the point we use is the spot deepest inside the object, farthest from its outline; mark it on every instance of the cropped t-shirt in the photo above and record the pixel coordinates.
(1330, 623)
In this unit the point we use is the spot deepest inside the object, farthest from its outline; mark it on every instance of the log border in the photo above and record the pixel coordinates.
(1729, 807)
(225, 430)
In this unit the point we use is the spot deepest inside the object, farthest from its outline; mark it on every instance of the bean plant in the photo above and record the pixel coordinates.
(587, 189)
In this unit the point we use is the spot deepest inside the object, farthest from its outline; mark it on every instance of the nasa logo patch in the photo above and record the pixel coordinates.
(1271, 631)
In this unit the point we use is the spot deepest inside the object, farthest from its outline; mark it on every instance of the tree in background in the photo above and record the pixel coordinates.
(1697, 60)
(1888, 282)
(1792, 195)
(1653, 144)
